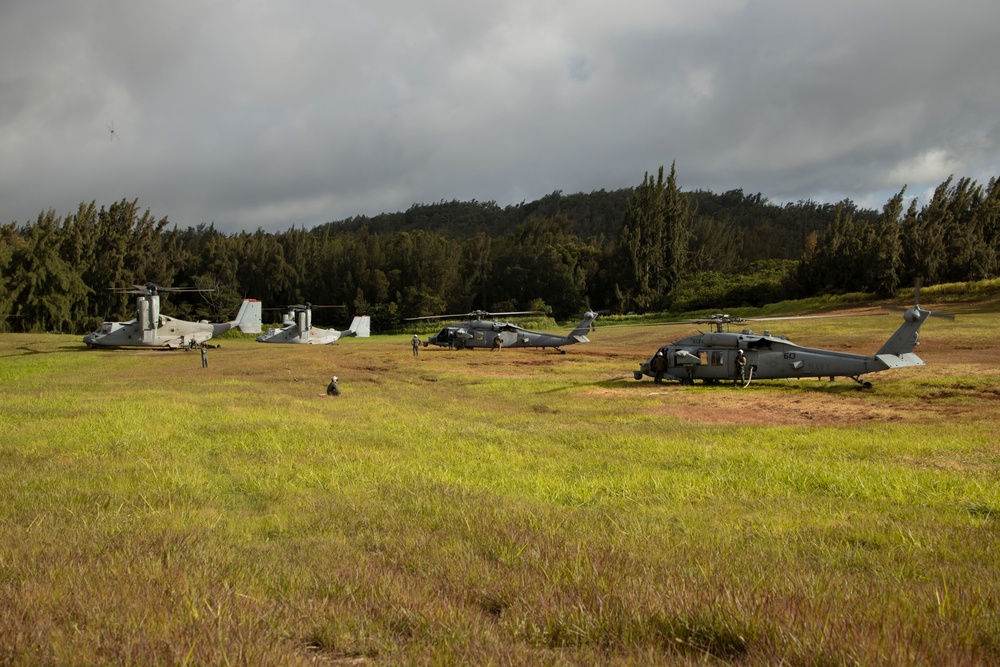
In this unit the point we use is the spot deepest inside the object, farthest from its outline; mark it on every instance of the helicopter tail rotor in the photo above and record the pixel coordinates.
(914, 313)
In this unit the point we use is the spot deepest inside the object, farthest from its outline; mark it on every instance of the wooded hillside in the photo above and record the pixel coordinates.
(651, 247)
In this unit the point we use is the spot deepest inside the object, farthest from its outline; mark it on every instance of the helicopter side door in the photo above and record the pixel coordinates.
(716, 364)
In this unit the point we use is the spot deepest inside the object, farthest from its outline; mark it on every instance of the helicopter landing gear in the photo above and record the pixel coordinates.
(687, 382)
(864, 384)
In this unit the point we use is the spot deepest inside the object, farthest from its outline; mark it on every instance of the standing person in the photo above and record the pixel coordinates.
(415, 342)
(497, 343)
(204, 357)
(741, 365)
(333, 389)
(659, 365)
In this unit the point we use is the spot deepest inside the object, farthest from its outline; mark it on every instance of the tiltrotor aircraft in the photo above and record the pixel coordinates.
(712, 357)
(479, 331)
(297, 328)
(151, 329)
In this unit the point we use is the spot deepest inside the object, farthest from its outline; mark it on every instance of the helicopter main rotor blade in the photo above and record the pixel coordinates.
(804, 317)
(514, 312)
(438, 317)
(738, 320)
(152, 288)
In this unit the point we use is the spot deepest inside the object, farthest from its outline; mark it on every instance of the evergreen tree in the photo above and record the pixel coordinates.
(652, 244)
(886, 261)
(676, 230)
(477, 271)
(927, 245)
(46, 288)
(10, 243)
(987, 221)
(542, 261)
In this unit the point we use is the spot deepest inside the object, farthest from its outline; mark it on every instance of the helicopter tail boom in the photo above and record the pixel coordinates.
(579, 334)
(905, 337)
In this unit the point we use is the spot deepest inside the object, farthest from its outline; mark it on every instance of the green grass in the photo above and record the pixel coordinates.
(496, 508)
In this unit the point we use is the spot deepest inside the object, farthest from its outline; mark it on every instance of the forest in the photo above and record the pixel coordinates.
(652, 247)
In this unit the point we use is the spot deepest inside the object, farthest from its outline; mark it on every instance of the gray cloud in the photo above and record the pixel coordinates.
(258, 114)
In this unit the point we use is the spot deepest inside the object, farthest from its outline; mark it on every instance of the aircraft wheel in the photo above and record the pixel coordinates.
(867, 385)
(687, 382)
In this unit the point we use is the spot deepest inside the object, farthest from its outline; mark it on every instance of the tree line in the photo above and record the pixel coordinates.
(651, 247)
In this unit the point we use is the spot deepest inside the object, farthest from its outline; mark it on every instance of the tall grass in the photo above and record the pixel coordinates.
(490, 508)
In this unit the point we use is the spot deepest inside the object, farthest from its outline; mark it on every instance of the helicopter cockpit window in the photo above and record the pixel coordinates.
(717, 359)
(479, 335)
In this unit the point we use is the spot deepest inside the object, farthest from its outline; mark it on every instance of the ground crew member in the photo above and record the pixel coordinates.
(658, 366)
(333, 389)
(204, 357)
(497, 343)
(741, 365)
(415, 342)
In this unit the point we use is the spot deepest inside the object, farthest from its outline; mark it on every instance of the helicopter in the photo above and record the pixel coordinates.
(712, 357)
(483, 330)
(297, 328)
(151, 329)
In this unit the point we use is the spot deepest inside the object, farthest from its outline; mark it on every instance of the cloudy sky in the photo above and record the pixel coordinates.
(267, 113)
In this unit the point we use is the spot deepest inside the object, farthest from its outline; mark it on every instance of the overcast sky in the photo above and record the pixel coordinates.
(255, 113)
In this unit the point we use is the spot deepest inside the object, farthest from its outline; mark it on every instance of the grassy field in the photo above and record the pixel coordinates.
(521, 507)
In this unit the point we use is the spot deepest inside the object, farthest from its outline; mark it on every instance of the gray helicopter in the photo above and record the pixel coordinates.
(297, 328)
(152, 329)
(743, 357)
(482, 330)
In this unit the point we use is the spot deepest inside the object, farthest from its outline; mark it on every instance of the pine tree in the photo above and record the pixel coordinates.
(886, 262)
(653, 242)
(676, 230)
(45, 287)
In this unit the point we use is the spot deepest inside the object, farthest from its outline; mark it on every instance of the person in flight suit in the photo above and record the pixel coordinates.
(741, 366)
